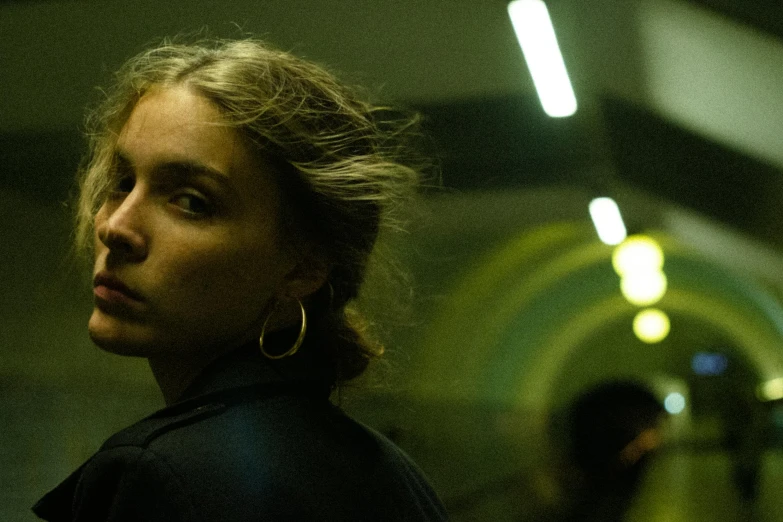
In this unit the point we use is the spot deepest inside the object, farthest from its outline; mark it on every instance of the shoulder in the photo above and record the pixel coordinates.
(223, 441)
(144, 432)
(293, 458)
(131, 483)
(212, 462)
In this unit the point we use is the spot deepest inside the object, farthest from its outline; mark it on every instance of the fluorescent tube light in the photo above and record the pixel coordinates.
(608, 221)
(536, 36)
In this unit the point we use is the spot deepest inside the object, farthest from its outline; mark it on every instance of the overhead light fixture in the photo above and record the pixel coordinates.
(638, 253)
(536, 36)
(651, 325)
(709, 363)
(607, 221)
(644, 288)
(639, 262)
(771, 390)
(674, 403)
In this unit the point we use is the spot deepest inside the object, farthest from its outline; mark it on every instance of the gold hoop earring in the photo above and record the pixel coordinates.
(331, 294)
(297, 343)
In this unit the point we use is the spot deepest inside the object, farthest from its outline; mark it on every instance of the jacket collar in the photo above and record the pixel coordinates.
(242, 374)
(246, 366)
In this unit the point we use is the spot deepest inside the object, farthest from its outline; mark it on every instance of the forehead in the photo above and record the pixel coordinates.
(177, 122)
(176, 125)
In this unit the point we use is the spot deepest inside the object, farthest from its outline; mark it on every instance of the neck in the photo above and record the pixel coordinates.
(174, 374)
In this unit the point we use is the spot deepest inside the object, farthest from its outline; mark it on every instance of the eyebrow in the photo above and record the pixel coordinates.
(181, 169)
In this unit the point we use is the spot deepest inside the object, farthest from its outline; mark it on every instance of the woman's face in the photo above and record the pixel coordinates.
(188, 246)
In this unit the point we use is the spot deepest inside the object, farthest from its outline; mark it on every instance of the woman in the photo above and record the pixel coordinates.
(231, 199)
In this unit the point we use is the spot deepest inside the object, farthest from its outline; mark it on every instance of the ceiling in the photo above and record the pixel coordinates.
(678, 98)
(764, 15)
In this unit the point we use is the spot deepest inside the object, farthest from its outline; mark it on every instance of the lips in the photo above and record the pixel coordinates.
(109, 288)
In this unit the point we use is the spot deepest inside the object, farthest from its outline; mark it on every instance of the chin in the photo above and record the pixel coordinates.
(120, 346)
(119, 339)
(121, 342)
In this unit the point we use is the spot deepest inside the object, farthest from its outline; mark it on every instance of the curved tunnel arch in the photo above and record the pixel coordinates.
(759, 341)
(513, 319)
(473, 310)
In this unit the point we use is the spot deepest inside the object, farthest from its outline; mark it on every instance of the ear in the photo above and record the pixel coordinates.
(306, 277)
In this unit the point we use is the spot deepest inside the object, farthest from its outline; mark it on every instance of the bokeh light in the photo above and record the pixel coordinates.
(706, 363)
(644, 288)
(651, 325)
(771, 390)
(637, 254)
(674, 403)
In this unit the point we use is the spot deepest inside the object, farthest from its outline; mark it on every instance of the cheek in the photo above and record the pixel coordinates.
(224, 280)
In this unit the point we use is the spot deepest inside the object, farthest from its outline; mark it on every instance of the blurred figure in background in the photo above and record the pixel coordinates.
(746, 421)
(609, 435)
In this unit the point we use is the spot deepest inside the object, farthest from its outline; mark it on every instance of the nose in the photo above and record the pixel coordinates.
(120, 226)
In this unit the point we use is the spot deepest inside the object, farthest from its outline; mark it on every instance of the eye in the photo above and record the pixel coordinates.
(122, 179)
(121, 185)
(194, 204)
(125, 184)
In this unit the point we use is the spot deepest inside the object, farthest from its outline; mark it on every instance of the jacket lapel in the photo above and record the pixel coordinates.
(57, 505)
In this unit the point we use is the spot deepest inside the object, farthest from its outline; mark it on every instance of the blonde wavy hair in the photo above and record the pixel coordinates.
(337, 159)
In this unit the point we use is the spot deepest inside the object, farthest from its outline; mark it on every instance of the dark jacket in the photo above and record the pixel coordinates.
(250, 441)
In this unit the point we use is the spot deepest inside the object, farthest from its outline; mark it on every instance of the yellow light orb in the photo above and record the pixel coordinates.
(643, 288)
(651, 325)
(638, 253)
(771, 390)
